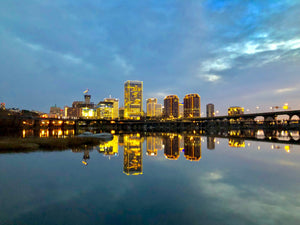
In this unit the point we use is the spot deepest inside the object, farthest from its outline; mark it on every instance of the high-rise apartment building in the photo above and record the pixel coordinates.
(115, 102)
(133, 99)
(151, 103)
(191, 106)
(210, 110)
(171, 106)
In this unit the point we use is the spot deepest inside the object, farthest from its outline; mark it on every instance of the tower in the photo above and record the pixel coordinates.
(133, 99)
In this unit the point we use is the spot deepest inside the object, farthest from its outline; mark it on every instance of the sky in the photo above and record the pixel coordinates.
(231, 52)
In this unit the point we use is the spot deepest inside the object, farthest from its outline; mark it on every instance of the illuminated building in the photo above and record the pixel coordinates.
(158, 110)
(105, 110)
(115, 102)
(192, 148)
(210, 143)
(236, 143)
(235, 111)
(133, 99)
(151, 103)
(171, 106)
(181, 110)
(110, 148)
(191, 106)
(55, 112)
(122, 113)
(171, 147)
(210, 110)
(133, 154)
(153, 145)
(2, 106)
(77, 107)
(88, 113)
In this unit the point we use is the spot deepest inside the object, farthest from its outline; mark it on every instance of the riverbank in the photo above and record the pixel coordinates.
(51, 143)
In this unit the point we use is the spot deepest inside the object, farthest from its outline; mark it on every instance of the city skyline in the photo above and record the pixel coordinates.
(229, 52)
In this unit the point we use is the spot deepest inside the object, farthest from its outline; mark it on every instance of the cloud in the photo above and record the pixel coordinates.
(252, 204)
(285, 90)
(211, 77)
(123, 64)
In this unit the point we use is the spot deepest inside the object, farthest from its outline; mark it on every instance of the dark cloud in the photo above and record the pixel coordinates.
(215, 48)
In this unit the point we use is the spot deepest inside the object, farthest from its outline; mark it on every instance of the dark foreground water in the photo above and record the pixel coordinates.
(154, 180)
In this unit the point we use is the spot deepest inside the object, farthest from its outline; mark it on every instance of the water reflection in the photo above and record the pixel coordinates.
(154, 144)
(171, 143)
(110, 148)
(133, 154)
(192, 148)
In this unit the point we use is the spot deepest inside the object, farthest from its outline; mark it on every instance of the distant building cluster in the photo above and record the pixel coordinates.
(108, 108)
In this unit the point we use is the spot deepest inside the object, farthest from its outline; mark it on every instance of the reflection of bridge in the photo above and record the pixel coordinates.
(245, 121)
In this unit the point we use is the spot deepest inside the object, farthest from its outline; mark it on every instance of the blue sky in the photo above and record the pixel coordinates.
(234, 52)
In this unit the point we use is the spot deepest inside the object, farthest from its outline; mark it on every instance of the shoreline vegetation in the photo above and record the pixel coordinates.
(50, 144)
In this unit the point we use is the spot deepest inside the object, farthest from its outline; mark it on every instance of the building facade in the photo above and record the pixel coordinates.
(115, 102)
(151, 104)
(235, 111)
(210, 110)
(191, 106)
(133, 99)
(171, 106)
(105, 110)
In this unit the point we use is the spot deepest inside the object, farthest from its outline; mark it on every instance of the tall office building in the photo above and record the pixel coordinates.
(151, 103)
(115, 102)
(133, 99)
(171, 106)
(191, 106)
(210, 110)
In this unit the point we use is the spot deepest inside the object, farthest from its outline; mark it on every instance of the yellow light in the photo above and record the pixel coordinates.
(112, 132)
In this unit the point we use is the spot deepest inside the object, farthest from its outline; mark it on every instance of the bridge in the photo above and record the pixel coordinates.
(243, 121)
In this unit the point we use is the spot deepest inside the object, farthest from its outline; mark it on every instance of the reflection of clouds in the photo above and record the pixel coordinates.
(250, 203)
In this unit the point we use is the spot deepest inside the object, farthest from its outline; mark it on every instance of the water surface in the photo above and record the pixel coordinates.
(169, 179)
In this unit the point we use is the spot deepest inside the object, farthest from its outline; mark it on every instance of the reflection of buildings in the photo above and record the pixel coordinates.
(211, 143)
(191, 105)
(171, 106)
(171, 147)
(153, 144)
(110, 148)
(133, 155)
(210, 110)
(236, 143)
(133, 99)
(235, 111)
(192, 148)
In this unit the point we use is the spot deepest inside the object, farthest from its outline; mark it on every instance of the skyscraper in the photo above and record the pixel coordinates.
(210, 110)
(151, 103)
(133, 99)
(171, 106)
(191, 106)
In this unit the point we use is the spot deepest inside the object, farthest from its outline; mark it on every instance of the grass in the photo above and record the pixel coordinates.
(34, 143)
